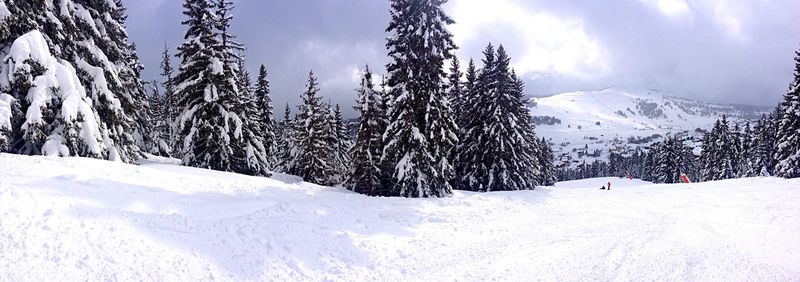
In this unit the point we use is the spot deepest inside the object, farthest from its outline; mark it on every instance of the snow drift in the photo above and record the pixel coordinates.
(87, 219)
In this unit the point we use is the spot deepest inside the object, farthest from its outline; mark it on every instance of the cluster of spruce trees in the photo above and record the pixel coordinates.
(208, 112)
(497, 149)
(315, 143)
(424, 136)
(771, 147)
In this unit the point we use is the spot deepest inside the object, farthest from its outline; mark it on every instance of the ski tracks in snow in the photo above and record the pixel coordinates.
(79, 219)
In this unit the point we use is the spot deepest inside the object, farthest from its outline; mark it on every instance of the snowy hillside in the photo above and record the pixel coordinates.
(621, 120)
(86, 219)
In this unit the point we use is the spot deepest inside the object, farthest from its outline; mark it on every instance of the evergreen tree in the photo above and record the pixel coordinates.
(662, 165)
(315, 157)
(788, 143)
(246, 101)
(461, 105)
(287, 143)
(545, 158)
(48, 117)
(126, 121)
(499, 151)
(265, 117)
(342, 145)
(522, 116)
(726, 150)
(367, 172)
(212, 126)
(746, 164)
(192, 85)
(252, 157)
(647, 165)
(764, 146)
(249, 151)
(159, 125)
(773, 124)
(456, 88)
(90, 37)
(231, 49)
(670, 160)
(719, 152)
(709, 170)
(468, 161)
(470, 91)
(736, 150)
(170, 100)
(421, 131)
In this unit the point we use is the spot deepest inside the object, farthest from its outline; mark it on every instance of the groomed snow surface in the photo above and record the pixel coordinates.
(83, 219)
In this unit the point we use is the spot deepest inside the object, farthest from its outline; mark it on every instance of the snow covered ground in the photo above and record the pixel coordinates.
(82, 219)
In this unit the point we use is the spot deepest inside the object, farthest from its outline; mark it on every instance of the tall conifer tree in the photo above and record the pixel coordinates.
(367, 172)
(421, 131)
(788, 149)
(315, 156)
(265, 117)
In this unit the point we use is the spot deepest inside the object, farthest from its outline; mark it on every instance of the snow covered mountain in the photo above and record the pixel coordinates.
(83, 219)
(588, 125)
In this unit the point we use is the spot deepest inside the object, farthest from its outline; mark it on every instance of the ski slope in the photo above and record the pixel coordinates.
(75, 219)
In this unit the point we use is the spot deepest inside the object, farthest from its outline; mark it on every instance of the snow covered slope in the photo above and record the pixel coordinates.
(621, 120)
(85, 219)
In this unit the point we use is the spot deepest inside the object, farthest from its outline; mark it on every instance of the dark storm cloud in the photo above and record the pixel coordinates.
(715, 50)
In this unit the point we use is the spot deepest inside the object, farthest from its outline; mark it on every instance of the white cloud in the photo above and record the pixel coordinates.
(551, 44)
(673, 7)
(728, 15)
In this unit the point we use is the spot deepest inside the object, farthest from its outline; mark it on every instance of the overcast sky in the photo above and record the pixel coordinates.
(728, 51)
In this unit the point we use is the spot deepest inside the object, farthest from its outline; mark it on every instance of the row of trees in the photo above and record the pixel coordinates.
(725, 152)
(409, 142)
(769, 148)
(422, 133)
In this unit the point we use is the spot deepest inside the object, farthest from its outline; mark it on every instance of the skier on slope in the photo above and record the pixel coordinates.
(609, 185)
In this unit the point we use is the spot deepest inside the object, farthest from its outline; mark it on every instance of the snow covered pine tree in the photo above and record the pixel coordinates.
(93, 60)
(213, 128)
(158, 122)
(367, 172)
(788, 150)
(265, 119)
(287, 143)
(315, 153)
(499, 151)
(342, 144)
(421, 131)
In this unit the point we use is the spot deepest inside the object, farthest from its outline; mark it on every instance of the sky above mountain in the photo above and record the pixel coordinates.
(712, 50)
